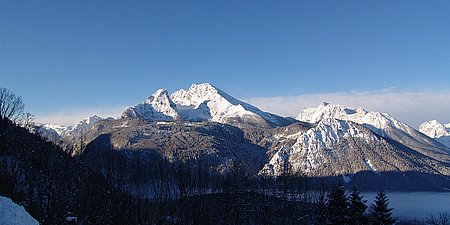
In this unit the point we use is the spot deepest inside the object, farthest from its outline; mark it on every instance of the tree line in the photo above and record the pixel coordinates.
(340, 208)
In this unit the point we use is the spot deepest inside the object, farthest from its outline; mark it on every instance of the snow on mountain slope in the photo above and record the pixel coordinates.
(51, 132)
(47, 133)
(13, 214)
(223, 108)
(381, 123)
(59, 129)
(376, 121)
(338, 148)
(54, 132)
(310, 151)
(157, 107)
(83, 126)
(434, 129)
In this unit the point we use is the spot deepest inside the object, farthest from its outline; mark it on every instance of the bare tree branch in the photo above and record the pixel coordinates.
(11, 106)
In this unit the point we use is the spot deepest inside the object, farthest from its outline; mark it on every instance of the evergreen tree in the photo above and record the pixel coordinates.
(381, 213)
(337, 206)
(357, 207)
(320, 211)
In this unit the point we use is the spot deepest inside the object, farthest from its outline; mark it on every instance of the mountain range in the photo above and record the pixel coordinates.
(208, 126)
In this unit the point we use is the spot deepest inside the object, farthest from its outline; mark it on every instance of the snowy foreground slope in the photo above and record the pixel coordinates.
(13, 214)
(434, 129)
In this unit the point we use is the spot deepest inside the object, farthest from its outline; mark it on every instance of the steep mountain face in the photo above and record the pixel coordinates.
(434, 129)
(336, 148)
(215, 144)
(382, 124)
(202, 103)
(134, 152)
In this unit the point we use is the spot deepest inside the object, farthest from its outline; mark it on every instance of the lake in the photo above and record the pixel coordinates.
(414, 204)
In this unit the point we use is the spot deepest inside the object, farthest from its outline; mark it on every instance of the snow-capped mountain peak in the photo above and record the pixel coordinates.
(158, 106)
(375, 121)
(326, 110)
(435, 129)
(58, 129)
(199, 93)
(220, 105)
(160, 96)
(202, 102)
(82, 126)
(54, 132)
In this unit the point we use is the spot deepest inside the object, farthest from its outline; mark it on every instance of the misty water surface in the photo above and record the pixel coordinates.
(414, 204)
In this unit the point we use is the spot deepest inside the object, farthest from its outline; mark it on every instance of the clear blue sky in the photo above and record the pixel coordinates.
(60, 54)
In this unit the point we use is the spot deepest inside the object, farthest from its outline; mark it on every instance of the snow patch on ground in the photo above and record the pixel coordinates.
(71, 219)
(371, 167)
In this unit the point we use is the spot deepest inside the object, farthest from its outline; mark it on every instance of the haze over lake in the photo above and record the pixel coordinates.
(414, 204)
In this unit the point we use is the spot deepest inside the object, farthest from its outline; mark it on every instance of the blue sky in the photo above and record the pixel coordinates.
(94, 56)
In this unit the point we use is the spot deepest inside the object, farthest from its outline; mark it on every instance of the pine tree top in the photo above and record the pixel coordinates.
(381, 213)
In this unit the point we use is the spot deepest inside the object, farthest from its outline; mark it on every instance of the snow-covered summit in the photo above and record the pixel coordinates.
(59, 129)
(378, 122)
(202, 102)
(435, 129)
(158, 106)
(222, 107)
